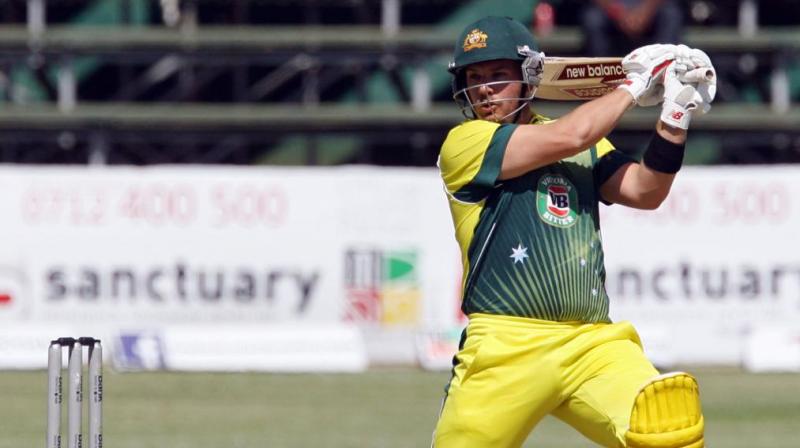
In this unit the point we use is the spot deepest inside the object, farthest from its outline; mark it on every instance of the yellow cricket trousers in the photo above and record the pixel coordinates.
(512, 371)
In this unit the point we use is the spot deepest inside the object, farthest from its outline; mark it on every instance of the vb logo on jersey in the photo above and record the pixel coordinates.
(556, 201)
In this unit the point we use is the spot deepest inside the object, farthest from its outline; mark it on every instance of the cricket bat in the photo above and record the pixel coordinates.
(580, 79)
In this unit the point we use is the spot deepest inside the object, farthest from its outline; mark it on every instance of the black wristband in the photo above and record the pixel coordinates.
(663, 156)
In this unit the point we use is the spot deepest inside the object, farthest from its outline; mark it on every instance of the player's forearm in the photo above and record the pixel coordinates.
(594, 120)
(534, 146)
(646, 185)
(674, 135)
(652, 179)
(652, 187)
(638, 186)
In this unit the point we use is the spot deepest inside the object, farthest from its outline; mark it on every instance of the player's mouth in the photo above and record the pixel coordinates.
(487, 106)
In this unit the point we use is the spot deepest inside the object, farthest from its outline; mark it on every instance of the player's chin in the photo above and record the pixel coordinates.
(488, 113)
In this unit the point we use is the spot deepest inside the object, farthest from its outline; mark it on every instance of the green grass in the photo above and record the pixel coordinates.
(395, 408)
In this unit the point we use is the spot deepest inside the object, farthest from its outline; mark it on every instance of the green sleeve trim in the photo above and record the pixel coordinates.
(482, 184)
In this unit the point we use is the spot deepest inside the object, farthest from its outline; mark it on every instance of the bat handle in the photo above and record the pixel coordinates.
(702, 74)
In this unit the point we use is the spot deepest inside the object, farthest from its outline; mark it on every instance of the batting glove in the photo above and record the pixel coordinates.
(690, 58)
(644, 69)
(694, 67)
(680, 100)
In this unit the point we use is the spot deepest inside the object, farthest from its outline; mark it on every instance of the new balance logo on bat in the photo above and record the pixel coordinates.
(613, 70)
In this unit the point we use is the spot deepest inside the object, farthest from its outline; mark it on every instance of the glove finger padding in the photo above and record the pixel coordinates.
(652, 96)
(695, 68)
(645, 68)
(693, 57)
(705, 95)
(704, 80)
(642, 59)
(680, 100)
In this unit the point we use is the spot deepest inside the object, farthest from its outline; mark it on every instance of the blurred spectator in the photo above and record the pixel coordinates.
(615, 27)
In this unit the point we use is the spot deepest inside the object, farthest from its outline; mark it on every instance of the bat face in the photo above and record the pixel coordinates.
(571, 79)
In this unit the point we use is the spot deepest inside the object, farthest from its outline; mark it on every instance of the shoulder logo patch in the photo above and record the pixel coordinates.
(475, 39)
(557, 201)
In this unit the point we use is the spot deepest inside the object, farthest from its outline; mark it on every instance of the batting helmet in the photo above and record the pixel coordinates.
(493, 38)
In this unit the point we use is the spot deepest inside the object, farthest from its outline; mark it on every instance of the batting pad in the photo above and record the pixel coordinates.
(667, 414)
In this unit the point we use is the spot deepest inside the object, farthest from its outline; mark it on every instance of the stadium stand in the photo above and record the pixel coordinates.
(326, 82)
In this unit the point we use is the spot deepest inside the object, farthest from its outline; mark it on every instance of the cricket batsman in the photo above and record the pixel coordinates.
(523, 192)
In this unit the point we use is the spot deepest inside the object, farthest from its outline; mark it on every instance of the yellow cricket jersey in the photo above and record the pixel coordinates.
(530, 245)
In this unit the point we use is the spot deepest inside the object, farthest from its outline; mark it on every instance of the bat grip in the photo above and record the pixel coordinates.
(698, 75)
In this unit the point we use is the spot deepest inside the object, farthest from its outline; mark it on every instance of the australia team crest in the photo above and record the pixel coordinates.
(475, 39)
(557, 201)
